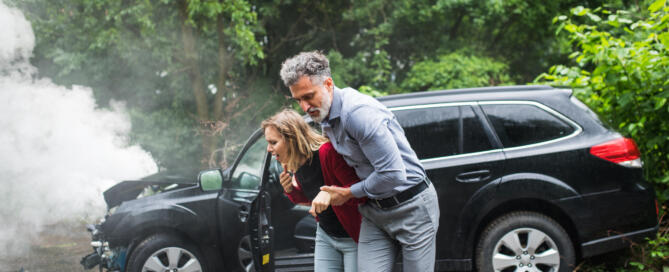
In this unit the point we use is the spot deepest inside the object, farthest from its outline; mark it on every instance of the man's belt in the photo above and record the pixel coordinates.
(401, 196)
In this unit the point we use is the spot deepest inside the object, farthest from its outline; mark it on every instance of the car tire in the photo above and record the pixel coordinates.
(245, 255)
(525, 241)
(164, 252)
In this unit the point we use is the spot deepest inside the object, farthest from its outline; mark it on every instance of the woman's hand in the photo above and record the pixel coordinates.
(339, 195)
(320, 203)
(286, 180)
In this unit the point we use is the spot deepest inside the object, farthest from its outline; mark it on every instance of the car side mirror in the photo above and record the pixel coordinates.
(248, 181)
(210, 180)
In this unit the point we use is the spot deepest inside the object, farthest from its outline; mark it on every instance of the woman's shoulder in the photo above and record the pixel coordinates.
(327, 152)
(326, 148)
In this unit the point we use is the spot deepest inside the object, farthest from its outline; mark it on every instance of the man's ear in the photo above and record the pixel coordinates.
(329, 84)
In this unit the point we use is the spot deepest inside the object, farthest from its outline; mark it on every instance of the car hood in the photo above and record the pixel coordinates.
(130, 189)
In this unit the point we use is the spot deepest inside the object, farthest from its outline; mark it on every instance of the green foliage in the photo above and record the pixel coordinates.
(456, 70)
(393, 36)
(659, 248)
(348, 72)
(620, 70)
(168, 135)
(371, 91)
(654, 255)
(241, 24)
(176, 62)
(138, 51)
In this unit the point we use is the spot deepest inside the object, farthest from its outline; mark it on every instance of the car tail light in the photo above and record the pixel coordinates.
(657, 210)
(622, 151)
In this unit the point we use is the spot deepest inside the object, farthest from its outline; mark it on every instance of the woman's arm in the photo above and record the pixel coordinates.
(337, 173)
(297, 196)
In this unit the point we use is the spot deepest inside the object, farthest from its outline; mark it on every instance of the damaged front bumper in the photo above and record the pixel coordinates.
(109, 259)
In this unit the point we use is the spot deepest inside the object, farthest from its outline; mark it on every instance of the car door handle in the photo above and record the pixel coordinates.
(473, 176)
(243, 213)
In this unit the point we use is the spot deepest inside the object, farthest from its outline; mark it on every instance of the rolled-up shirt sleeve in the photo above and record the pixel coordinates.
(370, 129)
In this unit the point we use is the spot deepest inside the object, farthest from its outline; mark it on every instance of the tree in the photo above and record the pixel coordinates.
(206, 71)
(177, 63)
(393, 36)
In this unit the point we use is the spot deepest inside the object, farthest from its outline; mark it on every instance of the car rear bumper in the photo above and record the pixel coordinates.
(613, 242)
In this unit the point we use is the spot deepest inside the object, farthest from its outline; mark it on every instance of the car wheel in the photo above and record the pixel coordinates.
(245, 255)
(525, 241)
(163, 252)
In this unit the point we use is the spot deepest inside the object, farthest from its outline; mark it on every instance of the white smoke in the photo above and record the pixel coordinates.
(58, 150)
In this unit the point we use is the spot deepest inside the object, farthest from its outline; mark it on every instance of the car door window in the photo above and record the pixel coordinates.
(474, 138)
(248, 172)
(522, 124)
(432, 132)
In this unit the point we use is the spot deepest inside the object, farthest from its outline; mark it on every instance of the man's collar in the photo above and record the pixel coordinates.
(335, 108)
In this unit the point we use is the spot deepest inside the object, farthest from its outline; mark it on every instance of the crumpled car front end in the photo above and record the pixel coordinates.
(110, 240)
(111, 259)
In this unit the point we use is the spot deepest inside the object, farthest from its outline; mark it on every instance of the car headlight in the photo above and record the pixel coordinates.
(112, 210)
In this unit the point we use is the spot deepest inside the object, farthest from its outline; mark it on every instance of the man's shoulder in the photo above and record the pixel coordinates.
(353, 96)
(355, 102)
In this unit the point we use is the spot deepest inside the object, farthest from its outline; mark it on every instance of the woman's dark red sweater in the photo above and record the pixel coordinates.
(336, 173)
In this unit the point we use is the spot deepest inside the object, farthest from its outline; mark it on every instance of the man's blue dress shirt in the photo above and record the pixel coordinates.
(371, 140)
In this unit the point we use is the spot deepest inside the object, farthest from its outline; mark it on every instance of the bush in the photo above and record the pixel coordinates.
(621, 71)
(456, 70)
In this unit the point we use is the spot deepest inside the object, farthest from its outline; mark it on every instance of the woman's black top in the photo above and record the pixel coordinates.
(310, 177)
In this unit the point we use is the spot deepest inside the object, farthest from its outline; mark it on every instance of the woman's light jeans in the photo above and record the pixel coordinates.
(334, 254)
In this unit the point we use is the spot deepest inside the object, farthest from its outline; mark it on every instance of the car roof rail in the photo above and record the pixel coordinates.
(468, 91)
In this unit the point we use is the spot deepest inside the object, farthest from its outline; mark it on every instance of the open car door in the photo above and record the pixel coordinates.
(260, 226)
(261, 232)
(280, 234)
(239, 209)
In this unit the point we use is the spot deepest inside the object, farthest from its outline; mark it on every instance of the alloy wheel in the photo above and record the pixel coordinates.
(172, 259)
(245, 255)
(526, 249)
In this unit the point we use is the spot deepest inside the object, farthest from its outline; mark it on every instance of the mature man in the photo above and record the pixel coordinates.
(402, 210)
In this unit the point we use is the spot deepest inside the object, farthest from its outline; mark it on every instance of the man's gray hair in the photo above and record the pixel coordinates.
(313, 64)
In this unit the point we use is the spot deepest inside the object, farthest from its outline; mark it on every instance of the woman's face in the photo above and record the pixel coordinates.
(276, 144)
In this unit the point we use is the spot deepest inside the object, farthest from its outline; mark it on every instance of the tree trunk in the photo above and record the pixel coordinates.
(222, 69)
(191, 61)
(219, 159)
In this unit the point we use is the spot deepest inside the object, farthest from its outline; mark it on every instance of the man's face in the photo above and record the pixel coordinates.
(314, 99)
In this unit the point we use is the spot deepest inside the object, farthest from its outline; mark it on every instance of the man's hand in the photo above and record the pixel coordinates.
(320, 203)
(338, 195)
(286, 180)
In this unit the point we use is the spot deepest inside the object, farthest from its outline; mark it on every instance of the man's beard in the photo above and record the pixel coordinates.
(323, 110)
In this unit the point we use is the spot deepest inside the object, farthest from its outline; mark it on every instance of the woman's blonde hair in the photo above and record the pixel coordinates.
(300, 139)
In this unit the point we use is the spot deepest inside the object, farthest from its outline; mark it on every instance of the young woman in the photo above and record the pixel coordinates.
(315, 163)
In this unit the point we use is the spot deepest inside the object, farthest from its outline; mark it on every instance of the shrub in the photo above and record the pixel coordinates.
(621, 70)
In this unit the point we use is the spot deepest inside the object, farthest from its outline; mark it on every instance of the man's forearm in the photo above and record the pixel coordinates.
(338, 195)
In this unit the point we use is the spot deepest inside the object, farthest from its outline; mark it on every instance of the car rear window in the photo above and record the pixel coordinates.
(443, 131)
(523, 124)
(588, 111)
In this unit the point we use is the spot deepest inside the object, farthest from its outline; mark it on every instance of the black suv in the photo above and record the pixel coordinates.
(527, 177)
